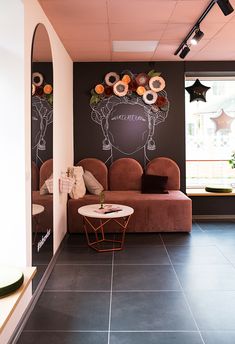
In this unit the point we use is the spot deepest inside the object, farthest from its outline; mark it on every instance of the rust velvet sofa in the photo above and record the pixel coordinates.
(38, 179)
(171, 212)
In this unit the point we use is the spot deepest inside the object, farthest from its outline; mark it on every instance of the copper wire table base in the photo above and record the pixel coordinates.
(99, 231)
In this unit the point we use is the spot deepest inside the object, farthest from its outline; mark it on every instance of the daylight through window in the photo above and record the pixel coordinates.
(210, 133)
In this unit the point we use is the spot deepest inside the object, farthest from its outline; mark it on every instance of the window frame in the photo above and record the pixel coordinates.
(226, 76)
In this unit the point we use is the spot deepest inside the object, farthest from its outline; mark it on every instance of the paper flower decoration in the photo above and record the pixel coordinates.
(108, 91)
(128, 83)
(145, 87)
(142, 79)
(37, 79)
(126, 78)
(140, 90)
(150, 97)
(157, 83)
(161, 102)
(99, 89)
(41, 88)
(47, 89)
(111, 78)
(197, 91)
(120, 88)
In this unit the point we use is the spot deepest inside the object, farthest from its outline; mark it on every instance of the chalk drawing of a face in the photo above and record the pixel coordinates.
(127, 123)
(118, 123)
(42, 116)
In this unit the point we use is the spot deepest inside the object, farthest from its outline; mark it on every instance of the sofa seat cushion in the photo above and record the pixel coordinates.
(155, 212)
(45, 219)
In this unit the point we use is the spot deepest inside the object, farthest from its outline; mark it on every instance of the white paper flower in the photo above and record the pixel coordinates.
(149, 97)
(111, 78)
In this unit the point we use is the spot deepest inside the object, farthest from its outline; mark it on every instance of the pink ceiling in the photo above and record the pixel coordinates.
(88, 27)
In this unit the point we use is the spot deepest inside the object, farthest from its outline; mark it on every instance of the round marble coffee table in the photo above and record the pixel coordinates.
(121, 217)
(36, 210)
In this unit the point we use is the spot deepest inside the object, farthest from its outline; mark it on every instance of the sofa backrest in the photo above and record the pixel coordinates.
(165, 167)
(125, 174)
(45, 172)
(34, 176)
(97, 168)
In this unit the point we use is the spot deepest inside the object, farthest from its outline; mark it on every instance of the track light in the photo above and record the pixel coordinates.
(197, 36)
(184, 52)
(225, 6)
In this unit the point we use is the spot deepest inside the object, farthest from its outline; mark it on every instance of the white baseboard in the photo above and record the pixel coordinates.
(214, 217)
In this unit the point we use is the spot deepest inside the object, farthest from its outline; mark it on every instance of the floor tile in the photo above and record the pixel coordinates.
(216, 225)
(150, 311)
(195, 238)
(83, 255)
(228, 252)
(70, 311)
(145, 254)
(80, 239)
(206, 277)
(80, 277)
(196, 227)
(144, 277)
(75, 240)
(221, 238)
(43, 256)
(216, 337)
(197, 255)
(63, 338)
(136, 239)
(155, 338)
(213, 310)
(204, 261)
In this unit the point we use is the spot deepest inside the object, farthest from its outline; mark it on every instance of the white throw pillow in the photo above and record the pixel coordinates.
(79, 188)
(92, 184)
(44, 188)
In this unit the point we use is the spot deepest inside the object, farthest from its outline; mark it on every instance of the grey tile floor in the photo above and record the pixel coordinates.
(165, 288)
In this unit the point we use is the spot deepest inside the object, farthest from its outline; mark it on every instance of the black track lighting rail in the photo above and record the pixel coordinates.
(196, 25)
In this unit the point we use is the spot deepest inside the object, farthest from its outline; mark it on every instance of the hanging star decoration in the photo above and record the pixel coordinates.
(197, 91)
(223, 121)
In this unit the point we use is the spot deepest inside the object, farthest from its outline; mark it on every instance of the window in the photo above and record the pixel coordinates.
(210, 133)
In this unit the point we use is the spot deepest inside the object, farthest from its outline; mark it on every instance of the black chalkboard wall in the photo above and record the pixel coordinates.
(42, 118)
(89, 136)
(169, 135)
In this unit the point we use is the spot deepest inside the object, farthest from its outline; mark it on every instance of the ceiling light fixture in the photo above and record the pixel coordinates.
(197, 36)
(225, 7)
(184, 52)
(134, 46)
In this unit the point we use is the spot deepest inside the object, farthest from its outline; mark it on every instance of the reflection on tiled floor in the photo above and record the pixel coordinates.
(41, 257)
(165, 288)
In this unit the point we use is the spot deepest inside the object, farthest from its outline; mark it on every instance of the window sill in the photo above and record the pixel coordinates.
(204, 193)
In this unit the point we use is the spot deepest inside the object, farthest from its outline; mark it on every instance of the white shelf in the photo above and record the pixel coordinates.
(9, 303)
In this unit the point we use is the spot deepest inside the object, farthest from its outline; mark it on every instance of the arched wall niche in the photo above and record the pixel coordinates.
(41, 151)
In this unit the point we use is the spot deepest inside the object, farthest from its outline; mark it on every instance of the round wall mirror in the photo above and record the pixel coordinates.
(42, 152)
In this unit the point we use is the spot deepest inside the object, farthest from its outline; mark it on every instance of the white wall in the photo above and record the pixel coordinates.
(13, 241)
(62, 109)
(18, 20)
